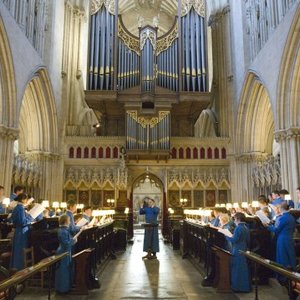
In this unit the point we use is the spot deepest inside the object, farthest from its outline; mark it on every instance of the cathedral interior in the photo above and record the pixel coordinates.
(192, 103)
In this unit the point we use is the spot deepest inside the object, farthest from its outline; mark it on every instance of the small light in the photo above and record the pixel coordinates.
(217, 205)
(236, 205)
(55, 204)
(6, 201)
(63, 204)
(45, 203)
(228, 205)
(255, 204)
(222, 205)
(244, 204)
(287, 197)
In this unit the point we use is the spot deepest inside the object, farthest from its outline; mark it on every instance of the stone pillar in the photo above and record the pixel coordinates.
(242, 184)
(289, 141)
(51, 181)
(7, 138)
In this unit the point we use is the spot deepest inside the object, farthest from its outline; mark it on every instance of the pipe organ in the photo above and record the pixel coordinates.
(148, 60)
(101, 58)
(152, 133)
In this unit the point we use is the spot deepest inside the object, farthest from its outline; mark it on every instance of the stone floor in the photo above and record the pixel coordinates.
(170, 277)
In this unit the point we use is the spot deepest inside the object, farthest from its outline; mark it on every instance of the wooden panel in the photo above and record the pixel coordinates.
(210, 198)
(198, 198)
(187, 195)
(71, 195)
(223, 196)
(122, 201)
(108, 195)
(96, 198)
(173, 198)
(84, 198)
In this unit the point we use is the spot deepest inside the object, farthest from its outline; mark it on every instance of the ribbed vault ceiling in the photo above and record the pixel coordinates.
(148, 12)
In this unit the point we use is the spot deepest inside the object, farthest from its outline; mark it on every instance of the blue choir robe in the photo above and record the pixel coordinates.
(290, 203)
(13, 196)
(20, 240)
(230, 226)
(73, 228)
(239, 271)
(151, 242)
(215, 222)
(63, 272)
(285, 249)
(86, 217)
(2, 209)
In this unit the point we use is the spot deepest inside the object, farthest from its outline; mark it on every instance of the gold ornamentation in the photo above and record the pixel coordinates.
(97, 4)
(130, 41)
(199, 6)
(144, 122)
(165, 42)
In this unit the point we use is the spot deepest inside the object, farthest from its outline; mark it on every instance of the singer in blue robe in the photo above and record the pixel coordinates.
(71, 208)
(21, 220)
(284, 228)
(151, 242)
(63, 273)
(239, 271)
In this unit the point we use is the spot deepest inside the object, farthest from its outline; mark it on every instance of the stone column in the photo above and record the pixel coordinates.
(242, 184)
(289, 141)
(7, 138)
(51, 181)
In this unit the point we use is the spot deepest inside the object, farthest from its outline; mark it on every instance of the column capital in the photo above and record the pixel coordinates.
(283, 134)
(252, 157)
(9, 132)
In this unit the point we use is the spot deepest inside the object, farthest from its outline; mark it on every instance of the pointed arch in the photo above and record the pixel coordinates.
(288, 105)
(38, 118)
(7, 82)
(255, 123)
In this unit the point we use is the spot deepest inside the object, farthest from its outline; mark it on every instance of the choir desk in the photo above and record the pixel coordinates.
(8, 284)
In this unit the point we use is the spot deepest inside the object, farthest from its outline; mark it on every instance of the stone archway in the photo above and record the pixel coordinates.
(8, 130)
(38, 139)
(147, 186)
(254, 136)
(288, 109)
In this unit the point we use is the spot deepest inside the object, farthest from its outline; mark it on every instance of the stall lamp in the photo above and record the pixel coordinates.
(55, 204)
(6, 201)
(255, 204)
(244, 204)
(63, 204)
(45, 203)
(228, 205)
(217, 205)
(236, 205)
(223, 205)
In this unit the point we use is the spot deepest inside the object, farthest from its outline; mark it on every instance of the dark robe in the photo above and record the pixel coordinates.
(240, 275)
(20, 240)
(151, 242)
(63, 273)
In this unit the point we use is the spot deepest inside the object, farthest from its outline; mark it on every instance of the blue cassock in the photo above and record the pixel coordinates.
(73, 228)
(86, 217)
(2, 209)
(230, 226)
(20, 241)
(151, 242)
(63, 273)
(285, 249)
(240, 276)
(215, 222)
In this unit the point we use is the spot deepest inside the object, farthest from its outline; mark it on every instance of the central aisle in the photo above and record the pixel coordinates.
(169, 277)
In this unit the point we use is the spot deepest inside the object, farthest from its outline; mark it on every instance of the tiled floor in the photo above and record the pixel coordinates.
(170, 277)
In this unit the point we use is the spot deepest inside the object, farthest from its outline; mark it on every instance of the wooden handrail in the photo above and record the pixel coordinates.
(24, 274)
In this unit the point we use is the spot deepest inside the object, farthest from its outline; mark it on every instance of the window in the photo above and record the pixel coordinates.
(78, 152)
(217, 156)
(174, 153)
(180, 153)
(108, 152)
(195, 153)
(93, 152)
(71, 152)
(223, 153)
(209, 153)
(86, 152)
(202, 153)
(188, 153)
(100, 152)
(116, 152)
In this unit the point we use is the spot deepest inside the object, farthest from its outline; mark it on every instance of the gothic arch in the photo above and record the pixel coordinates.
(255, 122)
(288, 104)
(38, 119)
(7, 82)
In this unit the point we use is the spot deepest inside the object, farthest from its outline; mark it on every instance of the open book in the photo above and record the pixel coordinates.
(225, 232)
(264, 219)
(36, 210)
(82, 222)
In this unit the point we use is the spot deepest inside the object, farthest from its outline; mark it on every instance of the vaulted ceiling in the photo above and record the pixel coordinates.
(137, 13)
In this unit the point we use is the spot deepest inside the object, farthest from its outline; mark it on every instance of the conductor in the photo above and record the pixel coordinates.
(151, 244)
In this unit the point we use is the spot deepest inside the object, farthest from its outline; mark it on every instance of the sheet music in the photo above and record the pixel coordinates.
(264, 219)
(36, 210)
(13, 204)
(92, 222)
(29, 201)
(82, 222)
(225, 232)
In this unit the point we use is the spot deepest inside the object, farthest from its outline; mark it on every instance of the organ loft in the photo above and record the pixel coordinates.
(169, 127)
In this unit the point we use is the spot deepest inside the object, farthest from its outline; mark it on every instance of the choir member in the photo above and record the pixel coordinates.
(151, 243)
(290, 203)
(17, 191)
(71, 209)
(240, 276)
(263, 205)
(87, 213)
(63, 273)
(216, 221)
(284, 228)
(227, 223)
(21, 220)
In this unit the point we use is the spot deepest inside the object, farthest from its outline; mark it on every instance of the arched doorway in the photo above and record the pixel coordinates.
(144, 186)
